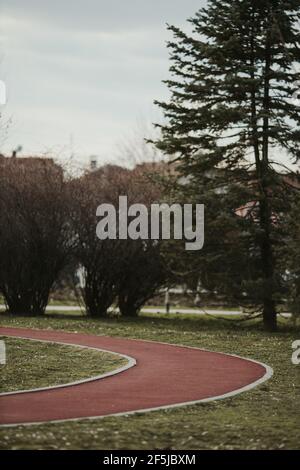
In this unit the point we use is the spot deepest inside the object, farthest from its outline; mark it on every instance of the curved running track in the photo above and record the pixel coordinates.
(164, 376)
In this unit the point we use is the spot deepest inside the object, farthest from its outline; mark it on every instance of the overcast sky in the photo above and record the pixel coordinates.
(83, 68)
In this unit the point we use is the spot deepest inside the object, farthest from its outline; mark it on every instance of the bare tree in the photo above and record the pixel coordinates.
(100, 259)
(34, 232)
(127, 270)
(136, 149)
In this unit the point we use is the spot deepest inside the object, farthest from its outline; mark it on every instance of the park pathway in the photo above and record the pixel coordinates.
(164, 376)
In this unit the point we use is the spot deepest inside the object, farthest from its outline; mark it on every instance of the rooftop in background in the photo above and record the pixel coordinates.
(31, 163)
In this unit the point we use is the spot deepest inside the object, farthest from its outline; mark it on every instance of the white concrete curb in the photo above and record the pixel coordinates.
(131, 362)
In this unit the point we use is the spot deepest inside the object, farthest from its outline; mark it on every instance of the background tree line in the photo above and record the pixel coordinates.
(48, 222)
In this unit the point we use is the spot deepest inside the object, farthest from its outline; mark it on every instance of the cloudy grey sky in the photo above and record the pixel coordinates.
(86, 68)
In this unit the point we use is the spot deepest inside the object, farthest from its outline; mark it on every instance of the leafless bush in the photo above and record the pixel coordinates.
(35, 236)
(127, 270)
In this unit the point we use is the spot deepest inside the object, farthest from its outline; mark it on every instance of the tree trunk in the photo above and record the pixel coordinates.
(267, 258)
(270, 315)
(267, 262)
(127, 308)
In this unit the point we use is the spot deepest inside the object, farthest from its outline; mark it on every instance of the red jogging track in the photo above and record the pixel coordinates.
(164, 375)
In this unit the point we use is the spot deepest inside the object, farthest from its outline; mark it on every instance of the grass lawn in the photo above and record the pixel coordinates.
(267, 417)
(33, 364)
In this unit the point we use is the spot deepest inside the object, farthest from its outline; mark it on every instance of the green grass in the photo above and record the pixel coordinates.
(63, 302)
(266, 417)
(71, 313)
(200, 307)
(32, 364)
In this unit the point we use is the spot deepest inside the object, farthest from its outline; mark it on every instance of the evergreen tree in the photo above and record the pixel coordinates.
(231, 113)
